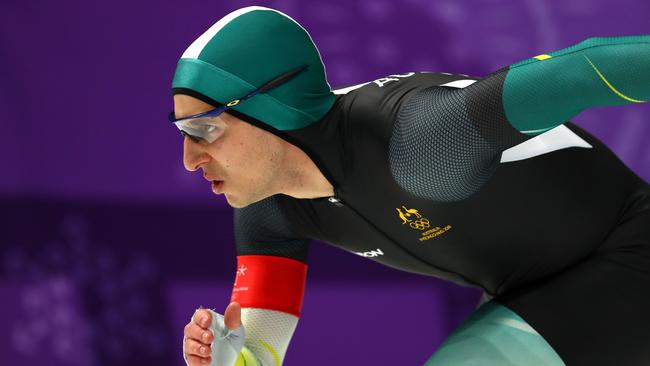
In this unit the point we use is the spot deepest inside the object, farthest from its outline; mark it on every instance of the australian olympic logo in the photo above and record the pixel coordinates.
(416, 221)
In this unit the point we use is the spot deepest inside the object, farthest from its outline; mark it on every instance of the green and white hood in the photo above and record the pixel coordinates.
(249, 47)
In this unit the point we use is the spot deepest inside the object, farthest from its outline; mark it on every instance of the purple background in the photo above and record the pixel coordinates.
(107, 244)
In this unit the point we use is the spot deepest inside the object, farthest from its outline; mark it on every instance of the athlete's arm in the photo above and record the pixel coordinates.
(270, 282)
(257, 326)
(545, 91)
(447, 142)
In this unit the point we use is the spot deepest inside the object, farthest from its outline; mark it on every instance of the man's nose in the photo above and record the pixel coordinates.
(193, 156)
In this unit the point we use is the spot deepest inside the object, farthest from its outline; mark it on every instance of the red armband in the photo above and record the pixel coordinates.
(268, 282)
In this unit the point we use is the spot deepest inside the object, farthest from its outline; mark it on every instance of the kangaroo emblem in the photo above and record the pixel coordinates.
(407, 213)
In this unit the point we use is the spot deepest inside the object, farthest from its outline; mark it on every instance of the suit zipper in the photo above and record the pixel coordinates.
(335, 199)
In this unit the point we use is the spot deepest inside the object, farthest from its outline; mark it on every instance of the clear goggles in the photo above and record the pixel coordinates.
(206, 126)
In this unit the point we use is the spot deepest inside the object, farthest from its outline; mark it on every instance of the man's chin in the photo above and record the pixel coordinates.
(234, 201)
(238, 201)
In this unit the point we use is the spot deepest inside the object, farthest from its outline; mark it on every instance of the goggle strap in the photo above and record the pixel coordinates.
(281, 79)
(270, 85)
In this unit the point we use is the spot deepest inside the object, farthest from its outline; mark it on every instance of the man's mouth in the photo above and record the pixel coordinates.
(217, 186)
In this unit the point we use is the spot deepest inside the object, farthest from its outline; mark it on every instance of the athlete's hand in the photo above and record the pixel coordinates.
(198, 338)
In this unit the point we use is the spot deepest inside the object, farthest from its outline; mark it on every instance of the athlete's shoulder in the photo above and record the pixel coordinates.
(385, 94)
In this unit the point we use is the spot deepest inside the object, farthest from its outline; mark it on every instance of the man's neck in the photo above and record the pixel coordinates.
(301, 176)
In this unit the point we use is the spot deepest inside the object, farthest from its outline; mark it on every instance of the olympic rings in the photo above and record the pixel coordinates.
(420, 224)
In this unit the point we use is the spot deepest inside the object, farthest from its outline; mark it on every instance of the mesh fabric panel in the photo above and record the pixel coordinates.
(261, 229)
(447, 143)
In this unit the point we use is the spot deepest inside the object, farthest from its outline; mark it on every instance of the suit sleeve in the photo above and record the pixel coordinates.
(542, 92)
(270, 280)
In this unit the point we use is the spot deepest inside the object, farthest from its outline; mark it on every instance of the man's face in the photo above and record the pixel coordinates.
(245, 158)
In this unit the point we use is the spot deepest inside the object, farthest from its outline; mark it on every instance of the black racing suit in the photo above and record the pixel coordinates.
(561, 237)
(487, 184)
